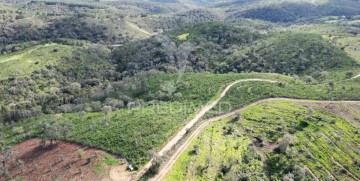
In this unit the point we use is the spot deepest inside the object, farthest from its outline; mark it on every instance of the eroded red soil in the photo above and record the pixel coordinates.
(59, 161)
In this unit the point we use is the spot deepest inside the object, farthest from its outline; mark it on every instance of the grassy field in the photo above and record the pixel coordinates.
(350, 44)
(25, 62)
(183, 36)
(298, 140)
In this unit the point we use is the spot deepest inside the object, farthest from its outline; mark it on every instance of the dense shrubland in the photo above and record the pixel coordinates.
(56, 84)
(70, 27)
(95, 76)
(207, 43)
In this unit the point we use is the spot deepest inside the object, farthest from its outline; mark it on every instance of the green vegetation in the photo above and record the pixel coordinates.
(137, 132)
(25, 62)
(216, 153)
(295, 54)
(143, 128)
(246, 93)
(286, 139)
(351, 44)
(183, 37)
(107, 161)
(292, 11)
(219, 47)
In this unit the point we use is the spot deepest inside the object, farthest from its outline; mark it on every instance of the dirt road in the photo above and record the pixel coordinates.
(356, 77)
(180, 134)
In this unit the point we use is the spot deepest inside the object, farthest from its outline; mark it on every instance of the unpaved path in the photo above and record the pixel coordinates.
(174, 140)
(356, 77)
(19, 56)
(119, 173)
(200, 114)
(172, 160)
(138, 29)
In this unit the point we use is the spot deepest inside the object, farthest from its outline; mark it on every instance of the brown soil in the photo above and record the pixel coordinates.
(59, 161)
(339, 109)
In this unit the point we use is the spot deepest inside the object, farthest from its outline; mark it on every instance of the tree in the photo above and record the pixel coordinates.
(49, 131)
(284, 143)
(299, 173)
(195, 150)
(65, 128)
(52, 133)
(331, 86)
(20, 164)
(107, 110)
(82, 114)
(288, 177)
(309, 80)
(349, 75)
(324, 75)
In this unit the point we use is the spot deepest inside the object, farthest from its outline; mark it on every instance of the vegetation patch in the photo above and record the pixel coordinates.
(25, 62)
(136, 132)
(241, 95)
(183, 37)
(278, 152)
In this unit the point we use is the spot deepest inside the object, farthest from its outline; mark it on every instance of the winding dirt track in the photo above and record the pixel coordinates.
(180, 134)
(203, 111)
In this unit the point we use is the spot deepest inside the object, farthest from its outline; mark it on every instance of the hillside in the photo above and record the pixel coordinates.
(23, 63)
(293, 11)
(130, 84)
(267, 141)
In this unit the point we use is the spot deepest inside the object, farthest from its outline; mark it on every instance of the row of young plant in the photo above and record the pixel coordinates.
(277, 134)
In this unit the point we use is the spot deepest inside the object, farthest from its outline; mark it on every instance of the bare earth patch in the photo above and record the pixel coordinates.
(59, 161)
(348, 111)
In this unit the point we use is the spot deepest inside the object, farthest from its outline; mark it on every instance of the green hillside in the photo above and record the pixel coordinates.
(25, 62)
(274, 141)
(99, 126)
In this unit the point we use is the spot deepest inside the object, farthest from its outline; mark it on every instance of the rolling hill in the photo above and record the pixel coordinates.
(173, 90)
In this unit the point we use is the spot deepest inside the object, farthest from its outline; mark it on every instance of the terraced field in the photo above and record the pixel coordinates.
(277, 140)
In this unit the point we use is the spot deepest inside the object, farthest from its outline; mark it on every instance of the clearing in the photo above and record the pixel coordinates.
(59, 161)
(254, 141)
(25, 62)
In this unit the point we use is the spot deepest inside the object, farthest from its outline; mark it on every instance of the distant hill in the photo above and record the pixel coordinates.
(290, 12)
